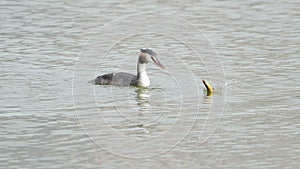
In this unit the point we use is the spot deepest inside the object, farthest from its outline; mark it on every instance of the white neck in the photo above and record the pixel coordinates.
(143, 79)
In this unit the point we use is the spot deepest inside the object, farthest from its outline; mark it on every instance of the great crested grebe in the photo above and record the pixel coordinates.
(126, 79)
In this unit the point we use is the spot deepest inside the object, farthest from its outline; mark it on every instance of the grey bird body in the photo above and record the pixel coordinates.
(127, 79)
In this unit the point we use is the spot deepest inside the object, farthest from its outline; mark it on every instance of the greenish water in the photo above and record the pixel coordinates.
(52, 118)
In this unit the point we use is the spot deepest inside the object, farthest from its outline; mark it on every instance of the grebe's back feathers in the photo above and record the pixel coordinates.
(117, 79)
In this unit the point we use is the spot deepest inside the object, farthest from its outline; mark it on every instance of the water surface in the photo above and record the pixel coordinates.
(51, 120)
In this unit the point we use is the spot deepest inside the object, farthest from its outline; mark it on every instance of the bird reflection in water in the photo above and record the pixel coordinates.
(143, 97)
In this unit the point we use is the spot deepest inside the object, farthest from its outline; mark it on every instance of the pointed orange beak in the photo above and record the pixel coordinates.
(157, 62)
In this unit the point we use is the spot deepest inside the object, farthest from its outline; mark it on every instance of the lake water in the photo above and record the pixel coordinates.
(51, 117)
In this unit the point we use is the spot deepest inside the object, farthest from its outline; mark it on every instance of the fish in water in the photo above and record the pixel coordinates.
(209, 89)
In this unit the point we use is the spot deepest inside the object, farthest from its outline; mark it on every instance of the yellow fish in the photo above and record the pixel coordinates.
(209, 89)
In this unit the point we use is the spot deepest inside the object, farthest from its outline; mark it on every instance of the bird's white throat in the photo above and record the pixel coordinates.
(143, 79)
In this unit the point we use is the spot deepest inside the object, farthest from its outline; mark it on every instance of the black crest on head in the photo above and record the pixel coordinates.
(149, 51)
